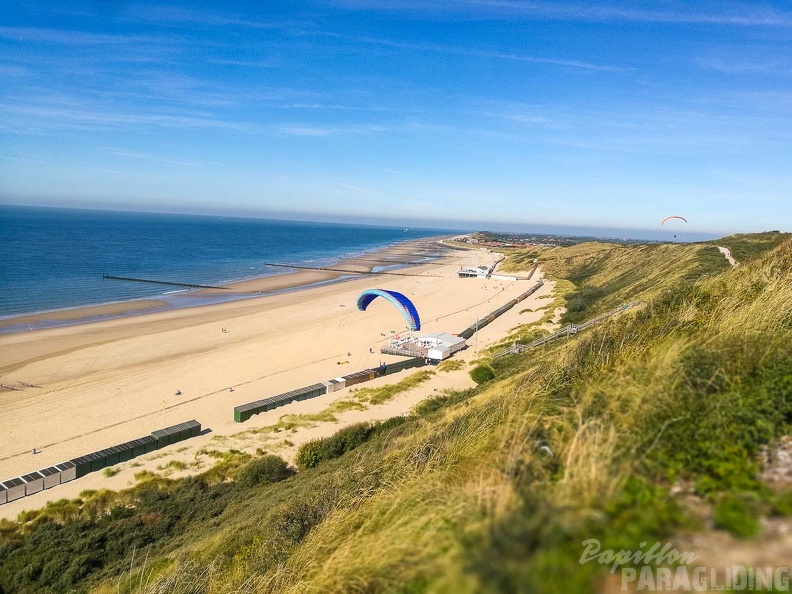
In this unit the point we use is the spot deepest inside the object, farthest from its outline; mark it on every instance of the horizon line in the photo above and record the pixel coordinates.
(565, 229)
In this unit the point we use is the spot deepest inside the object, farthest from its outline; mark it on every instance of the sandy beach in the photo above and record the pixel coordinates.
(90, 386)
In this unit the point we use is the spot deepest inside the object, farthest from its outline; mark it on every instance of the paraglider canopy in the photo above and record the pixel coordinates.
(672, 217)
(404, 305)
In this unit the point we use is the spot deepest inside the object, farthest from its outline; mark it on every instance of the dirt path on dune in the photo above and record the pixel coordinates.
(727, 254)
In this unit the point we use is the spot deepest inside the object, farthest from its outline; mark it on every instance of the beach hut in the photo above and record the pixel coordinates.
(3, 495)
(182, 431)
(34, 482)
(15, 489)
(335, 384)
(112, 455)
(162, 436)
(68, 471)
(287, 398)
(279, 400)
(97, 460)
(52, 477)
(244, 411)
(139, 446)
(82, 466)
(176, 433)
(315, 390)
(357, 377)
(126, 451)
(194, 427)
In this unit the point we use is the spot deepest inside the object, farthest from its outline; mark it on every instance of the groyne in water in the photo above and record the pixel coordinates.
(161, 282)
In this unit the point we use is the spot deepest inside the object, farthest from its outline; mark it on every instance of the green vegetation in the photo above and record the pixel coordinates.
(144, 475)
(341, 406)
(315, 452)
(446, 399)
(482, 373)
(737, 515)
(450, 365)
(601, 276)
(385, 393)
(291, 422)
(488, 490)
(111, 471)
(265, 470)
(358, 400)
(173, 465)
(747, 247)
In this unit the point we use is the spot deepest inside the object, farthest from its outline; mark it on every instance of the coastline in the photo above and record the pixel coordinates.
(89, 386)
(255, 287)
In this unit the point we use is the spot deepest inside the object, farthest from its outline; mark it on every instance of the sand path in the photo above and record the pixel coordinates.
(727, 254)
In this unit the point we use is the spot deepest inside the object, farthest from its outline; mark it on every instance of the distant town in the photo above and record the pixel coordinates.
(518, 240)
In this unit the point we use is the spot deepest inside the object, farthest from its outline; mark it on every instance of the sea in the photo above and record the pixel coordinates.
(54, 258)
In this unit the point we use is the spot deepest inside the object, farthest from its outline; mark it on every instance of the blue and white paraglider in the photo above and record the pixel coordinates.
(404, 305)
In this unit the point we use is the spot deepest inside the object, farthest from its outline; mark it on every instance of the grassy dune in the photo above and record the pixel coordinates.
(745, 247)
(623, 433)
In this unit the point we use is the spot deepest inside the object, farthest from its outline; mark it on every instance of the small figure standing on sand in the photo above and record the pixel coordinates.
(35, 451)
(224, 330)
(178, 392)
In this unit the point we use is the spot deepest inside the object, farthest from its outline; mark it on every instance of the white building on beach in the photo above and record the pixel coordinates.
(437, 347)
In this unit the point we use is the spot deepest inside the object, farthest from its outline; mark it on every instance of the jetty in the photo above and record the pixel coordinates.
(161, 282)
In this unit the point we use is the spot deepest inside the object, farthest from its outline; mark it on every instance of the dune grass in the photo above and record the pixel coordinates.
(450, 365)
(384, 393)
(747, 247)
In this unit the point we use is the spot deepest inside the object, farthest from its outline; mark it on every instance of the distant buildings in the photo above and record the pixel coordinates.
(492, 240)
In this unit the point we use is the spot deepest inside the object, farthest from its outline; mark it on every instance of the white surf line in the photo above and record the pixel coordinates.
(727, 254)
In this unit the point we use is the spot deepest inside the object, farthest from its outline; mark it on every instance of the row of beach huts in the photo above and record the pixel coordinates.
(244, 411)
(52, 476)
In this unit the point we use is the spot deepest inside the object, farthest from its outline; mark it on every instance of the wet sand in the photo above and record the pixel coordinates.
(91, 311)
(410, 251)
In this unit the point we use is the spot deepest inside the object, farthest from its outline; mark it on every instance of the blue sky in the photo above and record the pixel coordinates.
(612, 114)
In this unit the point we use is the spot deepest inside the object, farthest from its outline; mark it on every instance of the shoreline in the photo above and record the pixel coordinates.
(251, 288)
(89, 386)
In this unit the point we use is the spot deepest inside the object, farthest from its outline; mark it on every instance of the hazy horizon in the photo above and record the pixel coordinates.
(449, 226)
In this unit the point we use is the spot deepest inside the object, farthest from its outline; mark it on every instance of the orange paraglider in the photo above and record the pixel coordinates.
(672, 217)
